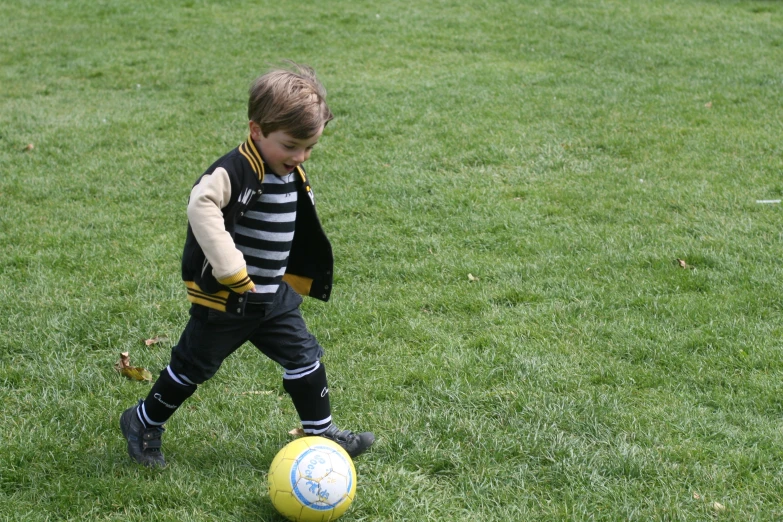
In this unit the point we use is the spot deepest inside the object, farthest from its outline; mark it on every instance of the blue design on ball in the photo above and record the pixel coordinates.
(315, 457)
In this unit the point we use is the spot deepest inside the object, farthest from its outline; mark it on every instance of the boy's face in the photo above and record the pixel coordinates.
(280, 150)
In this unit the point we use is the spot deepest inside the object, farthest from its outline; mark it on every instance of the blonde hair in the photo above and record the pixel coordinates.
(290, 99)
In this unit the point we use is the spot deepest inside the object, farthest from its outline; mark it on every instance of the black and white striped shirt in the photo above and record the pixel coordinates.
(265, 234)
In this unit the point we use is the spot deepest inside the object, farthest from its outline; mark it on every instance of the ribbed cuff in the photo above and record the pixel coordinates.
(239, 282)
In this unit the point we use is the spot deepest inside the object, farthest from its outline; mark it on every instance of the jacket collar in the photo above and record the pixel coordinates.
(249, 151)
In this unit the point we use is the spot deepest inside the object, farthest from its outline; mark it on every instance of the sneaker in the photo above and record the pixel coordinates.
(143, 443)
(353, 443)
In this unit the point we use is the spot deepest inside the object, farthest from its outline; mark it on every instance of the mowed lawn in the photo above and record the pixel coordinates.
(557, 228)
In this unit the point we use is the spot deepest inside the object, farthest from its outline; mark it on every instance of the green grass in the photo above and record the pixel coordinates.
(564, 153)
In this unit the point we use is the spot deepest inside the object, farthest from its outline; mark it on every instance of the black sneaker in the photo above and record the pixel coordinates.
(143, 443)
(353, 443)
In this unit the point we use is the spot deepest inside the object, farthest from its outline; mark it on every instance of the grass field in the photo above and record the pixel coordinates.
(508, 186)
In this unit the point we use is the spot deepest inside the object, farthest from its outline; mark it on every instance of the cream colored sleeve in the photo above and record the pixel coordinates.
(205, 215)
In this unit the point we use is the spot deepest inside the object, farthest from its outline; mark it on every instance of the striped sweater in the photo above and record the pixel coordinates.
(266, 232)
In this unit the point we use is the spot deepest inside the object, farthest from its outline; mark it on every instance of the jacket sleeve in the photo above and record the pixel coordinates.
(205, 214)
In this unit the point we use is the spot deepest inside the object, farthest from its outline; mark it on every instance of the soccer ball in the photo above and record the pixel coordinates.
(312, 479)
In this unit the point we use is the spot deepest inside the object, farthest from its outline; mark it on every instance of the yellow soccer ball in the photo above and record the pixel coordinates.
(312, 479)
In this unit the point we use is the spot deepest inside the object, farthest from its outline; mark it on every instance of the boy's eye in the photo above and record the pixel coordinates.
(289, 147)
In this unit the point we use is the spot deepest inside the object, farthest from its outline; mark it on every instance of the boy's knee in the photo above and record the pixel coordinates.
(189, 374)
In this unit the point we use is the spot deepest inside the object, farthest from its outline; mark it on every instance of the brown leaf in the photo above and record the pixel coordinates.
(131, 372)
(29, 147)
(136, 374)
(472, 278)
(708, 105)
(682, 263)
(696, 496)
(155, 340)
(717, 506)
(124, 361)
(297, 432)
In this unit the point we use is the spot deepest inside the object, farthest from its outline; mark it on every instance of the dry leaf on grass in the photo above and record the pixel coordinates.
(131, 372)
(29, 147)
(258, 392)
(155, 340)
(682, 263)
(137, 374)
(472, 278)
(124, 361)
(297, 432)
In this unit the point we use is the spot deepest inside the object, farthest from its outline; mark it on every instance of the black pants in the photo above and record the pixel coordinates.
(277, 330)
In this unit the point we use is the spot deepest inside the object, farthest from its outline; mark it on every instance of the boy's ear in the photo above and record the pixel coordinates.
(255, 130)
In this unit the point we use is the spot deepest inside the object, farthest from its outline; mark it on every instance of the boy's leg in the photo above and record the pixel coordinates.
(167, 394)
(142, 425)
(283, 337)
(309, 392)
(204, 345)
(312, 405)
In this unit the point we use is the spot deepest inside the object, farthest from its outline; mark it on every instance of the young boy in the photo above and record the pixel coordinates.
(254, 243)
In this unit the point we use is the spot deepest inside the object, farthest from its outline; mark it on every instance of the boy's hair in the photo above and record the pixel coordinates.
(290, 99)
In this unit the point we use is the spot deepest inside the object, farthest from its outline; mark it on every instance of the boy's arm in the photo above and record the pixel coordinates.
(205, 214)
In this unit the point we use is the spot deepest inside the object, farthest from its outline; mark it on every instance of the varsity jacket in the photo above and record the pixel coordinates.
(213, 269)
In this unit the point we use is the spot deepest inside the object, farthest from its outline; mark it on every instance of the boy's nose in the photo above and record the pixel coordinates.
(300, 156)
